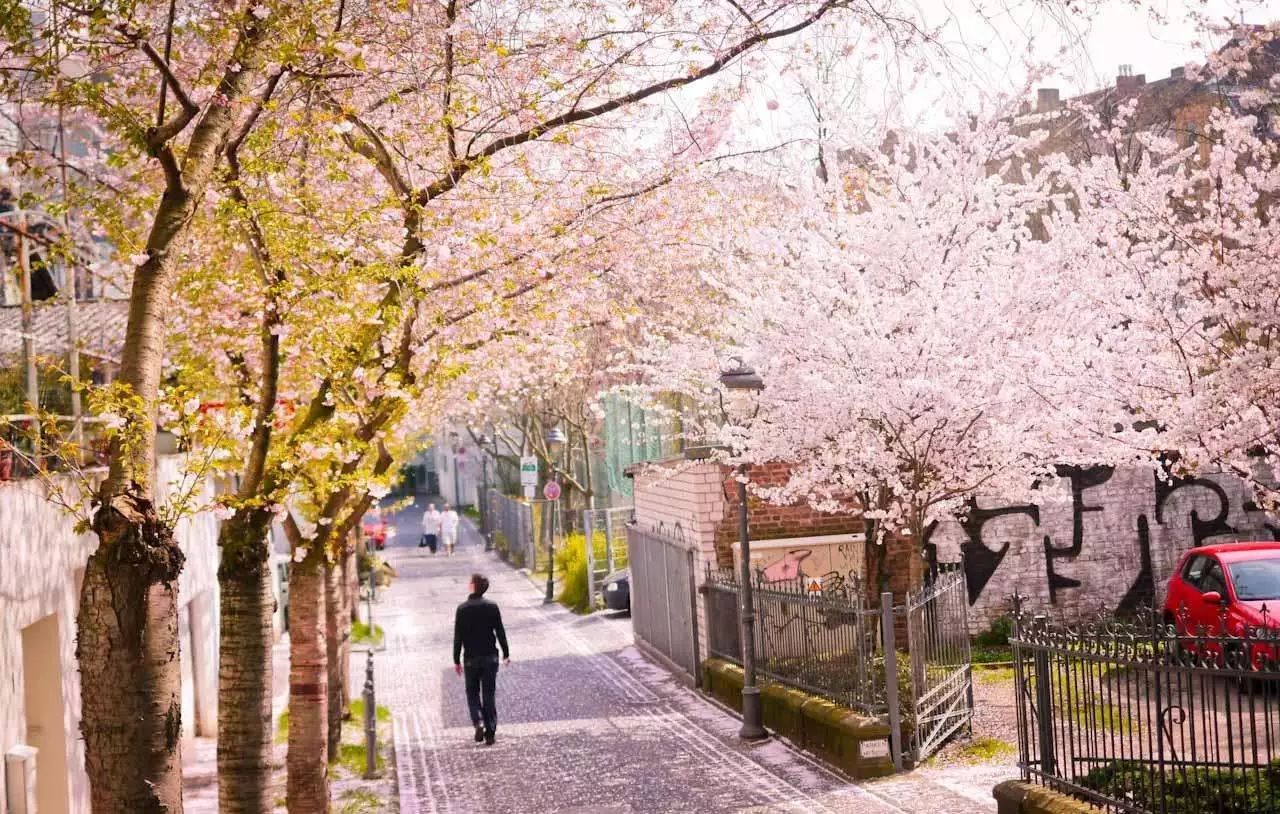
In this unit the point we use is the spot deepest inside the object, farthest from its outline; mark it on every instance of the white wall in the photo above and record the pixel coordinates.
(41, 563)
(685, 502)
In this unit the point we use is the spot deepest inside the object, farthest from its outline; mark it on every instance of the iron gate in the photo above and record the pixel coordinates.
(941, 669)
(662, 596)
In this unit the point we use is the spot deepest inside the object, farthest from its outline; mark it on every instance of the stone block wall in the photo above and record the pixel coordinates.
(1099, 539)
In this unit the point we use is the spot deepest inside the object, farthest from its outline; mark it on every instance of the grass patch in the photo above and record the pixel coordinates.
(360, 634)
(351, 756)
(282, 728)
(985, 750)
(359, 801)
(357, 712)
(991, 654)
(995, 675)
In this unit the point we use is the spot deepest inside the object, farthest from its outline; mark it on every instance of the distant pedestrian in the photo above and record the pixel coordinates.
(449, 529)
(431, 520)
(477, 625)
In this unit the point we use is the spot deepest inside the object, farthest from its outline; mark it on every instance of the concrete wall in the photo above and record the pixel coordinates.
(1100, 539)
(41, 565)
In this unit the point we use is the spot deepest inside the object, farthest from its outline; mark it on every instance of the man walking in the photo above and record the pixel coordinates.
(430, 527)
(449, 529)
(476, 626)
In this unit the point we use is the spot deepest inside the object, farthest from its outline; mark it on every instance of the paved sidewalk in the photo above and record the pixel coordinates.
(586, 722)
(200, 755)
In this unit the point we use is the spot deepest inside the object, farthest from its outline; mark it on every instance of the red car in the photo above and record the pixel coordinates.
(1231, 589)
(375, 530)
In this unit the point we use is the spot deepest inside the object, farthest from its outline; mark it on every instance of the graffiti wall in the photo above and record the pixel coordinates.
(1100, 538)
(836, 559)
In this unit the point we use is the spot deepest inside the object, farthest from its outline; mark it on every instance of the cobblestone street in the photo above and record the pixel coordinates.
(587, 723)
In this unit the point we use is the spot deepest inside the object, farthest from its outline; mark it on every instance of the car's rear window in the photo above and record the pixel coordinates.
(1256, 579)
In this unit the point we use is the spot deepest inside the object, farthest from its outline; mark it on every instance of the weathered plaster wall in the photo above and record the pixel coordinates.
(41, 565)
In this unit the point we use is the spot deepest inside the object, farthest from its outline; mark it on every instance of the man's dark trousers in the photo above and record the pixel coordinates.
(482, 679)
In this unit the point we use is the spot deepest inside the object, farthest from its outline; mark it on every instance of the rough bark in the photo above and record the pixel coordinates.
(308, 760)
(334, 641)
(244, 666)
(351, 571)
(128, 650)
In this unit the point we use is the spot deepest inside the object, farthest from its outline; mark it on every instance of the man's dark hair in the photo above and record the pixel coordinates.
(480, 582)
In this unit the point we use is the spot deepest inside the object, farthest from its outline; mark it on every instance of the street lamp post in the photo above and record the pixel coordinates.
(743, 377)
(555, 440)
(483, 441)
(453, 447)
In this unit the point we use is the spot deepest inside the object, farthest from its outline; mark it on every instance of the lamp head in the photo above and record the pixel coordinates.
(741, 376)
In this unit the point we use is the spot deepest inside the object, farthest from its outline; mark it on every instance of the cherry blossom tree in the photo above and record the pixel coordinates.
(1184, 262)
(910, 331)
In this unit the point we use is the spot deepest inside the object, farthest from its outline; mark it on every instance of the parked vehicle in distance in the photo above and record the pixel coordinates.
(1228, 590)
(617, 590)
(376, 529)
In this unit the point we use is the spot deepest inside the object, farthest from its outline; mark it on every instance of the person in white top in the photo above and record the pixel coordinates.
(431, 520)
(449, 529)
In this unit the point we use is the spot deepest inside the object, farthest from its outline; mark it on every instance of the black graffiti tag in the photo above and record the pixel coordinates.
(980, 562)
(1081, 478)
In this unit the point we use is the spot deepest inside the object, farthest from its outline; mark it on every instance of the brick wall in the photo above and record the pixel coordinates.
(768, 522)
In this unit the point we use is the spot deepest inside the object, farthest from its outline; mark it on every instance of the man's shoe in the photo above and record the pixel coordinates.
(480, 733)
(488, 737)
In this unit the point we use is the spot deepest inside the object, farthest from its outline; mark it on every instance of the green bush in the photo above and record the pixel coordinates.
(1191, 790)
(997, 635)
(360, 634)
(571, 566)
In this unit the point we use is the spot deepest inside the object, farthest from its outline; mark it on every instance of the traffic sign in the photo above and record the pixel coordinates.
(813, 585)
(551, 491)
(529, 471)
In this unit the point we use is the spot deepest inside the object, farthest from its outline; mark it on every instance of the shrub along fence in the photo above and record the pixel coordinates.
(1134, 716)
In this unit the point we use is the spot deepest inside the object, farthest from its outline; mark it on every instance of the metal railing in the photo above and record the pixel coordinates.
(826, 642)
(1147, 717)
(521, 529)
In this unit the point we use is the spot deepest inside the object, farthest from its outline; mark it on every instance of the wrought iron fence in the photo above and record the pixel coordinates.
(827, 642)
(1150, 718)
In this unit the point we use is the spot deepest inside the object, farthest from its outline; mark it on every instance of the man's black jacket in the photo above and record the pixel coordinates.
(476, 625)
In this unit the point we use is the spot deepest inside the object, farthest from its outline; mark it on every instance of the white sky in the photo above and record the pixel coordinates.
(1151, 35)
(990, 46)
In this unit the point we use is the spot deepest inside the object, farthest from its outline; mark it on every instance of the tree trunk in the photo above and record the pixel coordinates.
(244, 666)
(351, 570)
(127, 623)
(334, 641)
(308, 760)
(127, 646)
